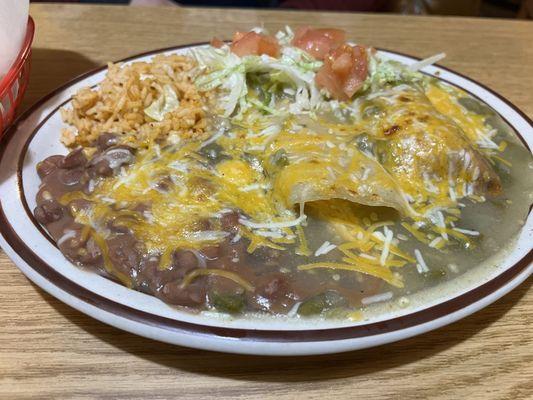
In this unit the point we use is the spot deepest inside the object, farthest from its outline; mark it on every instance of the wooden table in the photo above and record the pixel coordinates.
(48, 350)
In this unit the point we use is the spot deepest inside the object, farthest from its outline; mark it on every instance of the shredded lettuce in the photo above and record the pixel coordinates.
(167, 102)
(383, 72)
(294, 69)
(225, 71)
(417, 66)
(292, 74)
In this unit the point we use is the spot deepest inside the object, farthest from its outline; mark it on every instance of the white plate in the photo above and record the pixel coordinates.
(36, 135)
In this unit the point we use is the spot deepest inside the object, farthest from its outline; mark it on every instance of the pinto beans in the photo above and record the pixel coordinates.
(91, 254)
(74, 159)
(192, 295)
(230, 222)
(118, 156)
(49, 165)
(154, 277)
(102, 168)
(211, 252)
(106, 140)
(49, 211)
(266, 256)
(185, 260)
(77, 205)
(124, 253)
(70, 177)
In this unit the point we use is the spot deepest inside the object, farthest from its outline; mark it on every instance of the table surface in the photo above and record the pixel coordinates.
(49, 350)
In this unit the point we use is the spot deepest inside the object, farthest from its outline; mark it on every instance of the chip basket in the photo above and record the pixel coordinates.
(13, 85)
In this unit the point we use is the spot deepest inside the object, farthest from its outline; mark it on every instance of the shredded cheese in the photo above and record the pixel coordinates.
(421, 265)
(325, 248)
(376, 298)
(373, 270)
(215, 272)
(386, 245)
(467, 231)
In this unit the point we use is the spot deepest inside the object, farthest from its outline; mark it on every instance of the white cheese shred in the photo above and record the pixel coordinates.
(69, 234)
(207, 236)
(453, 195)
(294, 310)
(386, 245)
(435, 242)
(325, 248)
(249, 188)
(379, 235)
(274, 225)
(376, 298)
(421, 265)
(467, 231)
(442, 224)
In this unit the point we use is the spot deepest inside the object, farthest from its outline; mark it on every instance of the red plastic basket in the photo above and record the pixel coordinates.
(13, 85)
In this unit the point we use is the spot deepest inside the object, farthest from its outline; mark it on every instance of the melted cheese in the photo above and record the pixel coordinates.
(267, 169)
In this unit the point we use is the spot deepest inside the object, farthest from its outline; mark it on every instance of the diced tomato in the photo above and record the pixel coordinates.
(216, 42)
(344, 71)
(252, 43)
(318, 42)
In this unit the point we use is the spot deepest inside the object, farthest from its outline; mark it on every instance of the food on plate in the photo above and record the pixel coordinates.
(146, 101)
(296, 174)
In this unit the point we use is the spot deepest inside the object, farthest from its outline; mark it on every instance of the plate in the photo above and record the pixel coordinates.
(35, 135)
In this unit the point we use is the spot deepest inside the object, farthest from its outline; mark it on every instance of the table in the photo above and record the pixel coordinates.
(48, 350)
